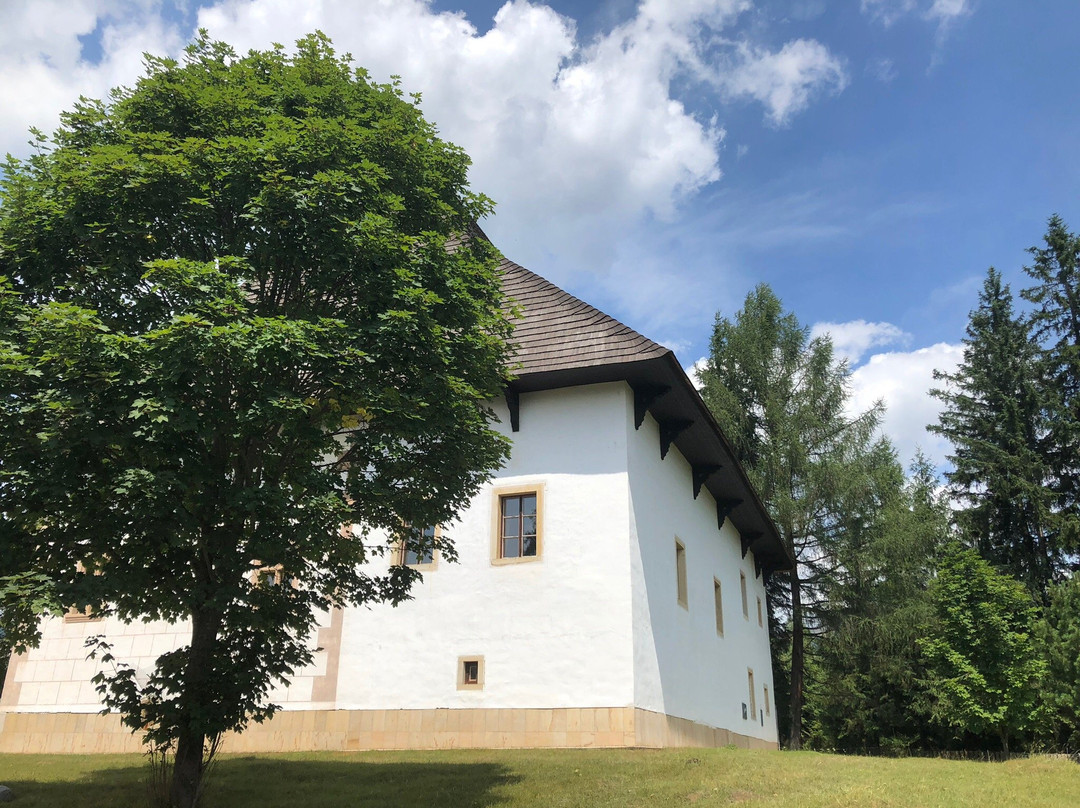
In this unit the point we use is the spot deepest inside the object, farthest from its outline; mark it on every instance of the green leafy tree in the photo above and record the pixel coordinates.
(1058, 636)
(231, 326)
(984, 666)
(871, 692)
(995, 416)
(780, 399)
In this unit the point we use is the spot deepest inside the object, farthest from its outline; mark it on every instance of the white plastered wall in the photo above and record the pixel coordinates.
(681, 666)
(555, 632)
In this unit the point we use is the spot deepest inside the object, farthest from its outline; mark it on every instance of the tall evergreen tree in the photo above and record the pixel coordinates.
(780, 398)
(996, 419)
(872, 691)
(1055, 325)
(1058, 638)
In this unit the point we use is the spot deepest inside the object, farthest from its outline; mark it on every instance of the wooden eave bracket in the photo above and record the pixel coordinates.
(644, 397)
(748, 537)
(724, 507)
(669, 430)
(701, 474)
(513, 403)
(758, 566)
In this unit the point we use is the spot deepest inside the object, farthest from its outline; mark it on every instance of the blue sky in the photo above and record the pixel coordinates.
(868, 159)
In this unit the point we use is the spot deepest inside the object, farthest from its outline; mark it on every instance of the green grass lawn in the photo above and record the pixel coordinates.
(554, 778)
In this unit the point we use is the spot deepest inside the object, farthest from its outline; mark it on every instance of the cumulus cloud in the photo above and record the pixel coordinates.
(577, 142)
(786, 80)
(851, 340)
(903, 381)
(42, 66)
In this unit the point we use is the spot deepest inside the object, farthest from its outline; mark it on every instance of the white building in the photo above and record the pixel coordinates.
(629, 611)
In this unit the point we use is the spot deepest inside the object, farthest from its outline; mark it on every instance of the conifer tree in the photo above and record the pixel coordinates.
(996, 419)
(780, 399)
(1055, 326)
(872, 692)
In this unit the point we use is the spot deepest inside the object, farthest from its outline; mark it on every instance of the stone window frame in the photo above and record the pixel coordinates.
(479, 683)
(682, 585)
(719, 606)
(497, 495)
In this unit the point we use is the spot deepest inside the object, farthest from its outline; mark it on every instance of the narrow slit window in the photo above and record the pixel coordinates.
(753, 700)
(760, 619)
(765, 692)
(719, 607)
(680, 574)
(742, 588)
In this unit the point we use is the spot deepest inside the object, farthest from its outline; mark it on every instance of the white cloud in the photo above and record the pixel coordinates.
(941, 12)
(577, 142)
(695, 370)
(853, 339)
(946, 11)
(42, 69)
(903, 380)
(786, 80)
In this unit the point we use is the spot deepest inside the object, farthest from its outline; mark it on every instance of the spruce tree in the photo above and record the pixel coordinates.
(995, 416)
(1055, 326)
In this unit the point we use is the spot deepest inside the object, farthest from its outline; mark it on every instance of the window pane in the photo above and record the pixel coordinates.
(528, 525)
(510, 548)
(530, 546)
(528, 504)
(429, 532)
(511, 506)
(511, 527)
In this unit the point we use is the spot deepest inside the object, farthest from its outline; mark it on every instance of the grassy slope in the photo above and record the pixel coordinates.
(559, 779)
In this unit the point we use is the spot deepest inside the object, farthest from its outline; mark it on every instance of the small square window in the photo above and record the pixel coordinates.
(680, 575)
(517, 532)
(470, 673)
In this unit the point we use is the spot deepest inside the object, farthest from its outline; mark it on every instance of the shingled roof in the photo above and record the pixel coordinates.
(556, 331)
(561, 341)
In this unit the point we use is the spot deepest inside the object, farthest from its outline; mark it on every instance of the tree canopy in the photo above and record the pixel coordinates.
(780, 399)
(230, 325)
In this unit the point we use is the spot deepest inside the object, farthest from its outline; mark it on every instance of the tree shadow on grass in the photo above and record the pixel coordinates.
(277, 783)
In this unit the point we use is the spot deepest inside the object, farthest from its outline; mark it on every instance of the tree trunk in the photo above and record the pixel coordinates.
(795, 704)
(186, 786)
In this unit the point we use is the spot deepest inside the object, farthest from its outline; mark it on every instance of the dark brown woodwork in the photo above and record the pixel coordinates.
(644, 396)
(513, 404)
(748, 537)
(724, 507)
(701, 474)
(669, 430)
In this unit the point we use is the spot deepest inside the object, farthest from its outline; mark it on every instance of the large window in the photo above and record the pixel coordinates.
(517, 533)
(517, 537)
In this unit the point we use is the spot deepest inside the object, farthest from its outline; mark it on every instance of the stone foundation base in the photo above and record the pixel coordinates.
(353, 730)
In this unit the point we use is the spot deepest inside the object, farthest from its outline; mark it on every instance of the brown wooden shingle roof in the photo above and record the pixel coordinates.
(556, 331)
